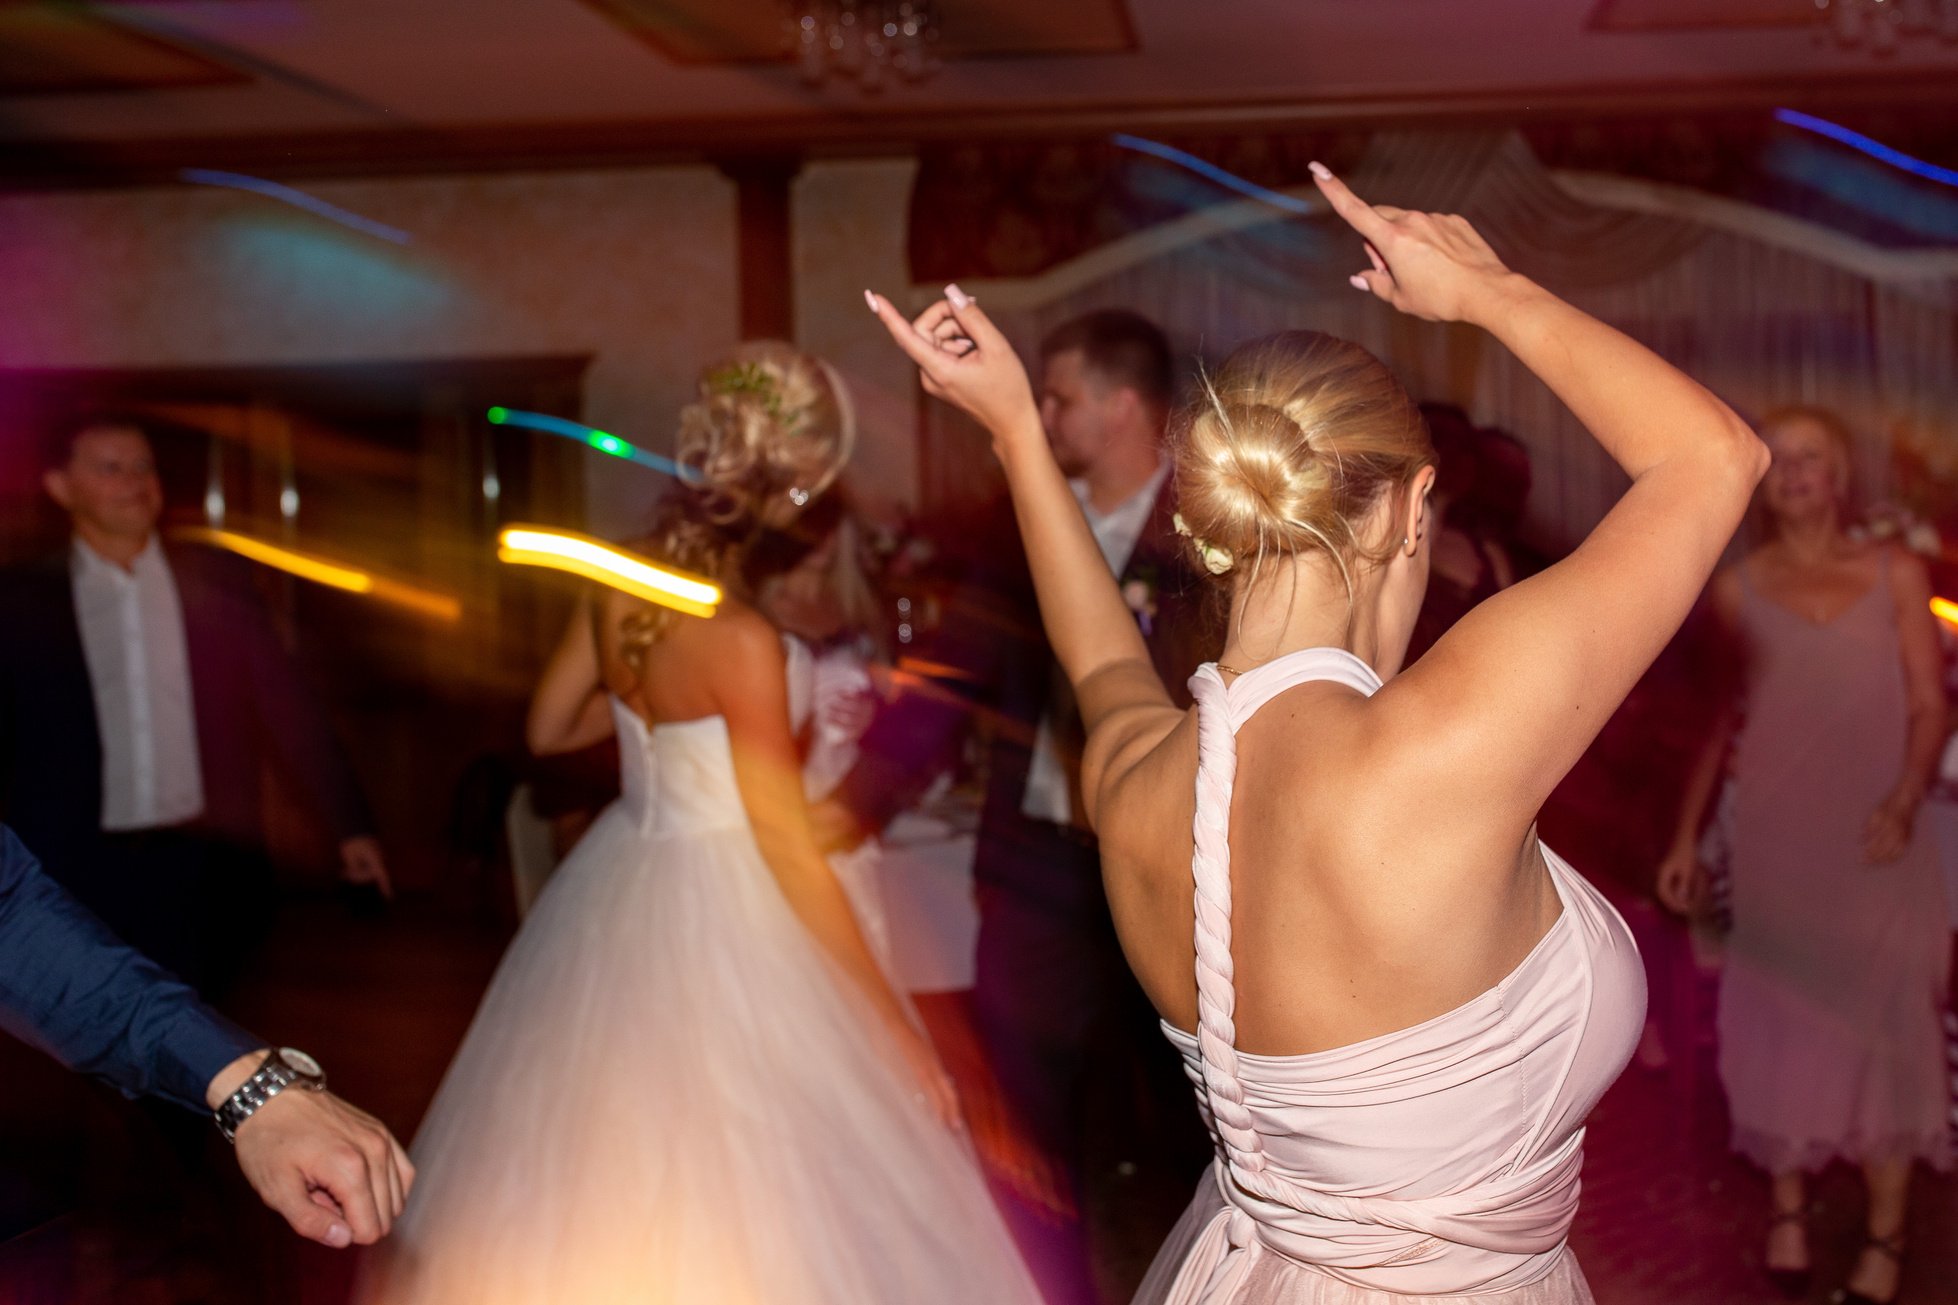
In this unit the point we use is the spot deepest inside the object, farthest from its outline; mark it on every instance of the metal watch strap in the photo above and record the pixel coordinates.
(273, 1076)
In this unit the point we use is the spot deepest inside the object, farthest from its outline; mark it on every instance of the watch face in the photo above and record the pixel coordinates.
(302, 1062)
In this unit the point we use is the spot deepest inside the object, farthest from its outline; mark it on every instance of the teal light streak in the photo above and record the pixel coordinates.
(603, 441)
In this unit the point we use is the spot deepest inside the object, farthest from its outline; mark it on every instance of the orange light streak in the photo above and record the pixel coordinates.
(334, 575)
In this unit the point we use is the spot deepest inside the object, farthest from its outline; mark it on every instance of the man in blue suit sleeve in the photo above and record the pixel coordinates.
(69, 987)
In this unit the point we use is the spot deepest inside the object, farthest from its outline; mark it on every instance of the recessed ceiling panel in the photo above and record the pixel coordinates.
(48, 49)
(714, 31)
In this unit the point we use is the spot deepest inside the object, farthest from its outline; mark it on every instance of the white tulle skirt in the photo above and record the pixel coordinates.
(670, 1094)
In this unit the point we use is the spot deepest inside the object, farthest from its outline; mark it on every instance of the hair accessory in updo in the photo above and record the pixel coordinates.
(771, 430)
(748, 378)
(1215, 560)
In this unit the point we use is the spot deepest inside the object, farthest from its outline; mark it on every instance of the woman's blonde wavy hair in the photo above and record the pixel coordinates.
(770, 431)
(1288, 448)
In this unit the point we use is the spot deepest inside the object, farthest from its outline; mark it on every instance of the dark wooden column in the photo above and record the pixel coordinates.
(762, 184)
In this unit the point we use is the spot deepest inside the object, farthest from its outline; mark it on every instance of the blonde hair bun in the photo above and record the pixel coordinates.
(770, 431)
(1290, 445)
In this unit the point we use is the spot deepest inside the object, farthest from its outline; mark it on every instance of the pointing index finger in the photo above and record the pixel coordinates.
(1358, 213)
(920, 350)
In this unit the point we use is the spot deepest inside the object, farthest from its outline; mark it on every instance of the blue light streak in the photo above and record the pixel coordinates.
(298, 199)
(1205, 168)
(590, 437)
(1876, 149)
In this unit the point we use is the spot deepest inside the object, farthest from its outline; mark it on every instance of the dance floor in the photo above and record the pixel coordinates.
(1667, 1215)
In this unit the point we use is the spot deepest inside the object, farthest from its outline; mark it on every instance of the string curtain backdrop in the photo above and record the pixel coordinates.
(1763, 308)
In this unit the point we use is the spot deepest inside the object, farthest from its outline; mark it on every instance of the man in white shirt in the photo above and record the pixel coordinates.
(140, 702)
(1108, 441)
(1061, 1019)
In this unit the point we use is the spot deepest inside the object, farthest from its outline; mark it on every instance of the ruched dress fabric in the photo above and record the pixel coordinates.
(1439, 1162)
(671, 1095)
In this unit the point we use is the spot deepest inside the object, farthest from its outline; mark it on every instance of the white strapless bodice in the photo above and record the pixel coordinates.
(677, 777)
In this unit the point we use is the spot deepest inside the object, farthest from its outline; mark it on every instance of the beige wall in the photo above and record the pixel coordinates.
(849, 232)
(634, 268)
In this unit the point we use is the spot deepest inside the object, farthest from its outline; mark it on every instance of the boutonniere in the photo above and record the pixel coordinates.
(1139, 594)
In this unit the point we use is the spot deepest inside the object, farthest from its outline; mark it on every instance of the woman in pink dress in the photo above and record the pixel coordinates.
(1397, 1005)
(1830, 1045)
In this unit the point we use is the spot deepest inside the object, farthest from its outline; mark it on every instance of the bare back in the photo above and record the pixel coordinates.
(1362, 906)
(681, 676)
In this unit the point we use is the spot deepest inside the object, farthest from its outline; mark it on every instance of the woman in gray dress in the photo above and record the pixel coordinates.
(1830, 1046)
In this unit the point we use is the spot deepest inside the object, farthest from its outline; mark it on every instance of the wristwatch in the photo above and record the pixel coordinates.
(282, 1068)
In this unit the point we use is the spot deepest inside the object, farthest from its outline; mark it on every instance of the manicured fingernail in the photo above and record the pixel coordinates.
(1357, 281)
(870, 299)
(1320, 171)
(959, 298)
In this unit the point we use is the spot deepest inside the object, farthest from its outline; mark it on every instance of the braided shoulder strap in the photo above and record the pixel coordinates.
(1210, 867)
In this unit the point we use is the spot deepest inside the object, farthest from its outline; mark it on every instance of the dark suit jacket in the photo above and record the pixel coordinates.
(991, 635)
(68, 987)
(251, 705)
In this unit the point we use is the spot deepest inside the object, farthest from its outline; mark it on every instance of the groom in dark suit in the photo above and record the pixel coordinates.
(1056, 1008)
(142, 691)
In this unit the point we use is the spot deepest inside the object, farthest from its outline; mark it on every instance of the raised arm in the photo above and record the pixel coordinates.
(963, 359)
(1511, 697)
(568, 711)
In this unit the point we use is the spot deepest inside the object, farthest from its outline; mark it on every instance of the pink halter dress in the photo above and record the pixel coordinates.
(1437, 1162)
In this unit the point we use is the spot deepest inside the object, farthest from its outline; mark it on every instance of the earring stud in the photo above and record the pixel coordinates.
(799, 496)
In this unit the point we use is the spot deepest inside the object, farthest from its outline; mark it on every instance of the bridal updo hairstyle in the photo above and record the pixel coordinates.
(768, 434)
(1288, 448)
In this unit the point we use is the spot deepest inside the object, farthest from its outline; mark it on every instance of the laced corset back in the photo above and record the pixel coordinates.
(1436, 1159)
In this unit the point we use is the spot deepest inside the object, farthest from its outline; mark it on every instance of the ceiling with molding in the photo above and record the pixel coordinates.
(377, 75)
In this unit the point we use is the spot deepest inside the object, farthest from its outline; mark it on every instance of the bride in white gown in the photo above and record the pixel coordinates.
(689, 1081)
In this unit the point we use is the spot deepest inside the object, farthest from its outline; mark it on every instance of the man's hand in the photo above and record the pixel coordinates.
(361, 862)
(334, 1172)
